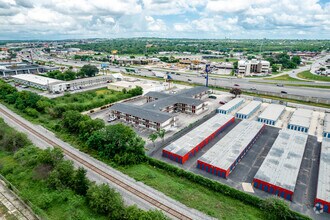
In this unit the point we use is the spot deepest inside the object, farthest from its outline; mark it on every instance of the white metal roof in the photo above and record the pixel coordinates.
(272, 112)
(323, 184)
(224, 153)
(301, 117)
(41, 80)
(327, 123)
(281, 165)
(249, 108)
(187, 142)
(231, 103)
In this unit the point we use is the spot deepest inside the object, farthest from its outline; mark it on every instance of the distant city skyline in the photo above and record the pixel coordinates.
(213, 19)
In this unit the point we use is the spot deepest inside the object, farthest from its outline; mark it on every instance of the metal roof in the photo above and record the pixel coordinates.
(231, 103)
(249, 108)
(301, 117)
(272, 112)
(193, 91)
(281, 165)
(163, 103)
(41, 80)
(224, 153)
(148, 114)
(190, 140)
(327, 123)
(105, 77)
(157, 95)
(323, 184)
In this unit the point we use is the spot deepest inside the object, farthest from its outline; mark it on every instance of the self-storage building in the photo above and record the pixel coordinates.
(223, 157)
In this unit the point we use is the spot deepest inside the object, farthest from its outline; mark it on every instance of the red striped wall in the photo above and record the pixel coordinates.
(273, 189)
(198, 147)
(326, 205)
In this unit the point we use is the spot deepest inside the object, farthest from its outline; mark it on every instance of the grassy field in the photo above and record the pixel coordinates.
(193, 195)
(285, 77)
(308, 75)
(223, 60)
(90, 99)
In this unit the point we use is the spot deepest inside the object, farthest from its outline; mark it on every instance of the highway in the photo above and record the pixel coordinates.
(243, 83)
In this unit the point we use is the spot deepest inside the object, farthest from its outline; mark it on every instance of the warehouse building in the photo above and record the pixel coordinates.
(279, 171)
(36, 81)
(326, 126)
(301, 120)
(11, 69)
(248, 110)
(146, 118)
(322, 200)
(230, 106)
(188, 145)
(183, 101)
(271, 114)
(223, 157)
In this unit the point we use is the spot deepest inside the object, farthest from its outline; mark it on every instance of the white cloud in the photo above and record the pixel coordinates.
(126, 18)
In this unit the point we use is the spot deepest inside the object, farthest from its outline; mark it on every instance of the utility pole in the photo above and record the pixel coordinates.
(207, 70)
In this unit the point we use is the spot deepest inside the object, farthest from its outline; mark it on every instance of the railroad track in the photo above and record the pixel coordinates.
(109, 177)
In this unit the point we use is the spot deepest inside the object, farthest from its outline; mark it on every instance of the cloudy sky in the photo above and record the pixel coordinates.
(63, 19)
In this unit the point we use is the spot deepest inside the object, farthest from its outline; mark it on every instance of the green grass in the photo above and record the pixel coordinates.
(285, 77)
(90, 99)
(308, 75)
(223, 60)
(193, 195)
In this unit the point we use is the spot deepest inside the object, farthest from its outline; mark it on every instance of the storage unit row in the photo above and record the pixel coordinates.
(223, 157)
(322, 201)
(300, 120)
(248, 110)
(230, 106)
(189, 144)
(271, 114)
(326, 126)
(279, 171)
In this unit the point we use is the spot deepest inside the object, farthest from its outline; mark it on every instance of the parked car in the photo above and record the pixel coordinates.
(284, 92)
(212, 97)
(111, 119)
(236, 85)
(222, 102)
(189, 80)
(177, 74)
(253, 88)
(280, 85)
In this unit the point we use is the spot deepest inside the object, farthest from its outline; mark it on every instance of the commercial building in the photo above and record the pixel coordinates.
(192, 142)
(248, 110)
(279, 171)
(23, 68)
(54, 85)
(326, 126)
(230, 106)
(185, 101)
(301, 120)
(223, 157)
(36, 81)
(271, 114)
(253, 67)
(322, 200)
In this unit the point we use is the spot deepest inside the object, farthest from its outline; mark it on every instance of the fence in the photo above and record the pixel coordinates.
(28, 205)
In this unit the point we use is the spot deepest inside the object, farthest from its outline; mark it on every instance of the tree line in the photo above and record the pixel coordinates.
(118, 143)
(58, 175)
(86, 71)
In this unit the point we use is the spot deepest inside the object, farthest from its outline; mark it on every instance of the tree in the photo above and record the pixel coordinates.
(71, 120)
(118, 142)
(322, 69)
(235, 91)
(235, 64)
(152, 137)
(62, 175)
(161, 134)
(296, 60)
(51, 156)
(80, 182)
(104, 200)
(274, 68)
(89, 70)
(12, 140)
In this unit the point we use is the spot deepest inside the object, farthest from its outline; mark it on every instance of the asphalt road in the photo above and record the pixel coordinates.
(245, 83)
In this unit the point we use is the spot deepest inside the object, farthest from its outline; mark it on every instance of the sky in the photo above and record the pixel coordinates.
(215, 19)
